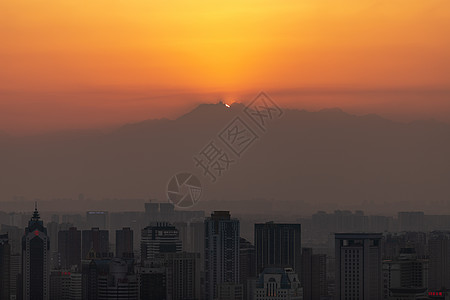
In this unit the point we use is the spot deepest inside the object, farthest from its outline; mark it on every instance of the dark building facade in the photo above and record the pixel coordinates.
(159, 238)
(91, 272)
(96, 240)
(124, 242)
(5, 254)
(247, 263)
(439, 251)
(278, 245)
(314, 275)
(69, 248)
(222, 237)
(358, 272)
(35, 256)
(153, 281)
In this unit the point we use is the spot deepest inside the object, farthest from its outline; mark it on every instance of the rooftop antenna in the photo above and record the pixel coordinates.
(36, 213)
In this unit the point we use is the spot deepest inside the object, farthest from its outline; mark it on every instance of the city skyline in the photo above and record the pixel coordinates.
(234, 150)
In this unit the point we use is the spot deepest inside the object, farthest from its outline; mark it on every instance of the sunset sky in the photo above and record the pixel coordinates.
(68, 64)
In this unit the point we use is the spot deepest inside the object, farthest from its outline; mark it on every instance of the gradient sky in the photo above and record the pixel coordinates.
(93, 63)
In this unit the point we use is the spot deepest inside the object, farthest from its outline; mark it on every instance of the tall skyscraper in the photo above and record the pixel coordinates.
(159, 238)
(439, 251)
(36, 260)
(96, 240)
(124, 243)
(5, 254)
(152, 280)
(52, 232)
(247, 263)
(278, 245)
(69, 248)
(183, 275)
(358, 266)
(314, 275)
(15, 274)
(222, 236)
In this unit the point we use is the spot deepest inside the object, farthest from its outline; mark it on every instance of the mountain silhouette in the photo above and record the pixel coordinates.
(328, 156)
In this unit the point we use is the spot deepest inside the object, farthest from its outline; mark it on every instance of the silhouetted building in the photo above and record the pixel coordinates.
(183, 275)
(152, 280)
(5, 254)
(278, 283)
(35, 256)
(118, 282)
(69, 248)
(314, 275)
(358, 266)
(278, 245)
(96, 240)
(92, 270)
(60, 285)
(15, 275)
(159, 238)
(15, 235)
(439, 267)
(52, 231)
(124, 243)
(405, 277)
(247, 263)
(221, 251)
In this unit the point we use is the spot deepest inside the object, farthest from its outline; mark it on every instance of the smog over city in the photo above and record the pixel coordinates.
(237, 150)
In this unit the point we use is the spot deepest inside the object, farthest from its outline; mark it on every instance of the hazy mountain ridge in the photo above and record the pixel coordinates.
(325, 156)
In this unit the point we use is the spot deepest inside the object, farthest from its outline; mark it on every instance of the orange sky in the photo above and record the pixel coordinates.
(88, 63)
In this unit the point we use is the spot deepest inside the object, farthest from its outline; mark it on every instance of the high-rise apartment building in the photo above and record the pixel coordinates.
(278, 245)
(182, 275)
(222, 236)
(247, 264)
(358, 266)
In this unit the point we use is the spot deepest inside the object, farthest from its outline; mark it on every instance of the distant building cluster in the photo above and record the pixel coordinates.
(165, 254)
